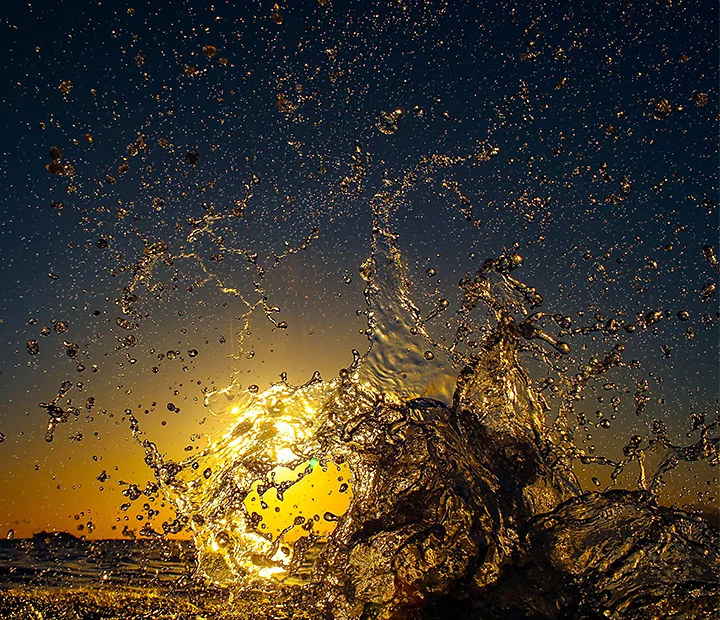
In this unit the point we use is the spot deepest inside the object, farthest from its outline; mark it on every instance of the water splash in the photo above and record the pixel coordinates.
(460, 497)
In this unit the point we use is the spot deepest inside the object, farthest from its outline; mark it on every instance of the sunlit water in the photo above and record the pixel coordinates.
(440, 474)
(424, 481)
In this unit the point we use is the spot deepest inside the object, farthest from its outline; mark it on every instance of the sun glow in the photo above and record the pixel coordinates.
(317, 496)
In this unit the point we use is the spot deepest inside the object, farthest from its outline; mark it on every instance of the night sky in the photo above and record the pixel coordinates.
(209, 193)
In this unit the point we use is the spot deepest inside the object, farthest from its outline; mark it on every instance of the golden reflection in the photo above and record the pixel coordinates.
(307, 499)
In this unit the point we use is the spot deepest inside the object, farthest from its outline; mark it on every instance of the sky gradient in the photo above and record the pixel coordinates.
(216, 164)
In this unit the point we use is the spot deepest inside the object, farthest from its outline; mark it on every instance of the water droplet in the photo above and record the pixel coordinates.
(562, 347)
(275, 15)
(430, 272)
(708, 292)
(429, 355)
(387, 122)
(710, 256)
(33, 348)
(701, 99)
(192, 158)
(653, 317)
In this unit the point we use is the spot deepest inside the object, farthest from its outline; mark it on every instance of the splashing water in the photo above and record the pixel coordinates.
(426, 479)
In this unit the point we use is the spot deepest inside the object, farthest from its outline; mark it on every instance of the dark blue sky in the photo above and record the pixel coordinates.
(605, 116)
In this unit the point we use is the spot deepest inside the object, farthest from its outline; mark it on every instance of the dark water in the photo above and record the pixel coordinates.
(65, 561)
(59, 576)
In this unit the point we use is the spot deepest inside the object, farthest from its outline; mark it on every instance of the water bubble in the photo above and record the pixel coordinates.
(683, 315)
(662, 108)
(61, 327)
(708, 292)
(54, 168)
(282, 325)
(430, 272)
(193, 353)
(192, 158)
(171, 407)
(253, 389)
(387, 122)
(33, 348)
(701, 99)
(429, 355)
